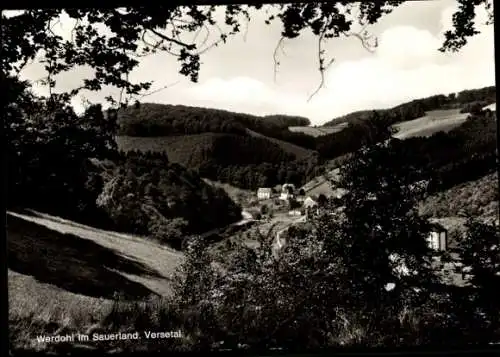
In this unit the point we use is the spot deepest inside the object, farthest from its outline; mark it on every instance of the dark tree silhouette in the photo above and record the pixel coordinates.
(136, 32)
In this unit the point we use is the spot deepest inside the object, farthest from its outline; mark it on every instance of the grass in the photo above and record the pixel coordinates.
(183, 149)
(43, 262)
(65, 277)
(433, 122)
(39, 309)
(317, 131)
(58, 244)
(321, 184)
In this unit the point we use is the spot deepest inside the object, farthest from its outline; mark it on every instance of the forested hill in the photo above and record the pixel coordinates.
(150, 119)
(467, 100)
(249, 151)
(244, 150)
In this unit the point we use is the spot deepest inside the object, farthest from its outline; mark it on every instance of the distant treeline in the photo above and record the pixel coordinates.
(146, 120)
(150, 119)
(417, 108)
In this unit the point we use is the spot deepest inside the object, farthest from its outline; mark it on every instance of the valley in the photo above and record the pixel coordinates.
(204, 182)
(158, 199)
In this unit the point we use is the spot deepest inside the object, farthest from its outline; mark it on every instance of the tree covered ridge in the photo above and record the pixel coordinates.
(150, 119)
(465, 153)
(418, 107)
(164, 120)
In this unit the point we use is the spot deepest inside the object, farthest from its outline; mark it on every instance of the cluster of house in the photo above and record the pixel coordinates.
(286, 192)
(289, 192)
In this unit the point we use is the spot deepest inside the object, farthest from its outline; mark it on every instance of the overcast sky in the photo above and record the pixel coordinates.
(238, 76)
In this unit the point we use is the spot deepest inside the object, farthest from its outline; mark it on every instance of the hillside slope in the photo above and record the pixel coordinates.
(151, 119)
(433, 122)
(181, 149)
(419, 107)
(226, 149)
(478, 197)
(290, 148)
(64, 275)
(77, 257)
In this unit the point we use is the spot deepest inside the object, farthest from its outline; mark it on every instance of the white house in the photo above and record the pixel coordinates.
(437, 238)
(264, 193)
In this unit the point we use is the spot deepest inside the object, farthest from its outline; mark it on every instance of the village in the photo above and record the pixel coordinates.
(283, 206)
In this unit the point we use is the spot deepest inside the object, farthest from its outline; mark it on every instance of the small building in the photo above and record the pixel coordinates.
(438, 237)
(311, 206)
(264, 193)
(295, 212)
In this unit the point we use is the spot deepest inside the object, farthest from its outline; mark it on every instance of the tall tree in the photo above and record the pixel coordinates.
(386, 235)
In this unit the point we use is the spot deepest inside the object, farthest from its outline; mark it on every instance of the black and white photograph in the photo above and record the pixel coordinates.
(251, 177)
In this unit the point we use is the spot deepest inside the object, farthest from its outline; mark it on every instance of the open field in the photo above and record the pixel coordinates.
(321, 184)
(433, 122)
(492, 107)
(65, 277)
(317, 131)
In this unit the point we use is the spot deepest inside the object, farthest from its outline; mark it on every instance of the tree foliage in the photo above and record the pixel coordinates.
(48, 152)
(327, 285)
(112, 41)
(147, 195)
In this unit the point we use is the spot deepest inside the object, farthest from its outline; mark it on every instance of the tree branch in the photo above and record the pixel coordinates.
(173, 40)
(158, 90)
(275, 56)
(322, 67)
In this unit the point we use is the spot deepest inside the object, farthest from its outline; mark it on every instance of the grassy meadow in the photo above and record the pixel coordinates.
(317, 131)
(65, 277)
(433, 122)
